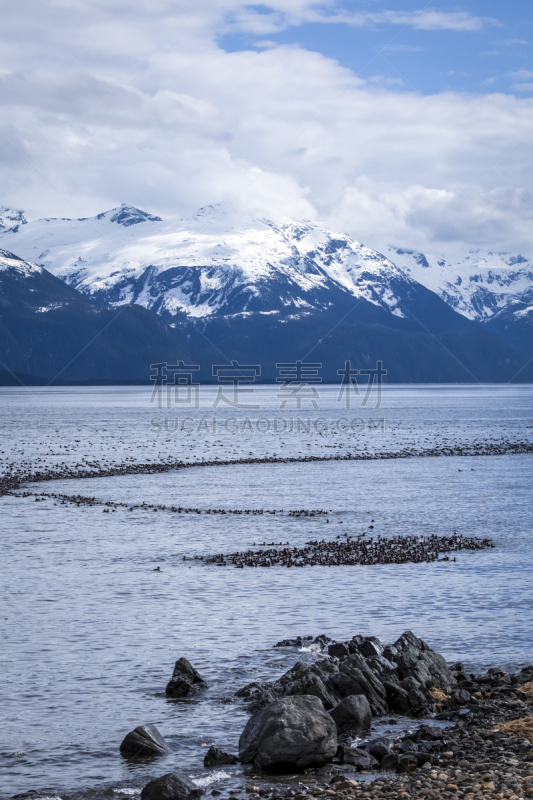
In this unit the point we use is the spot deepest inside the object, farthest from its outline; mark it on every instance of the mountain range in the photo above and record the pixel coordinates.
(225, 285)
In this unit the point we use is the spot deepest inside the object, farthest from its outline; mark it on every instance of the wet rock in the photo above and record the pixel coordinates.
(338, 650)
(185, 680)
(352, 714)
(461, 696)
(171, 787)
(144, 741)
(389, 761)
(397, 697)
(429, 733)
(380, 665)
(217, 758)
(407, 763)
(379, 749)
(313, 685)
(423, 758)
(370, 646)
(419, 703)
(356, 677)
(290, 734)
(356, 757)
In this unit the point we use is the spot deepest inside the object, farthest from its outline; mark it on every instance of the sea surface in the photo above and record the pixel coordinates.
(90, 629)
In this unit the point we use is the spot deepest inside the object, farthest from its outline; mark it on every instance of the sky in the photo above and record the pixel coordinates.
(393, 121)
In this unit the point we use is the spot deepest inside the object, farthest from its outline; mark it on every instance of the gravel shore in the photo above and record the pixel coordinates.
(485, 753)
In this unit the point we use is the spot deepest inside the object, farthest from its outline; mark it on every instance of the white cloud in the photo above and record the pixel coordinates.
(122, 101)
(426, 19)
(522, 74)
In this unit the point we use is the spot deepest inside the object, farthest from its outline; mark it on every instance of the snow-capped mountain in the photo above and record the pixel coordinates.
(477, 284)
(274, 290)
(225, 263)
(49, 330)
(10, 220)
(9, 261)
(212, 263)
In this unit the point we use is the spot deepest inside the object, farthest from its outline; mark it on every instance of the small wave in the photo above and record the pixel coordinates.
(213, 778)
(46, 797)
(128, 792)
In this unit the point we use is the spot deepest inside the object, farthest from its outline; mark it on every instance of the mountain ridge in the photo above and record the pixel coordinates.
(224, 281)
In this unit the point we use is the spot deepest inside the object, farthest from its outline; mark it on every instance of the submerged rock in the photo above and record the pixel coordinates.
(171, 787)
(290, 734)
(144, 741)
(185, 680)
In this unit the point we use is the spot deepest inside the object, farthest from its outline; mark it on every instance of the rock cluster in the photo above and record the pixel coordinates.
(397, 678)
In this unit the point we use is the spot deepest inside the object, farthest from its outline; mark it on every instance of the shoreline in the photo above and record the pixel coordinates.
(486, 753)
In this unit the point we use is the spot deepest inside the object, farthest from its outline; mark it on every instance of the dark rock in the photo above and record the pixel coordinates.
(461, 696)
(357, 758)
(352, 714)
(354, 643)
(389, 652)
(380, 665)
(457, 667)
(429, 733)
(397, 697)
(292, 733)
(371, 646)
(216, 758)
(144, 741)
(356, 677)
(379, 749)
(313, 685)
(338, 650)
(423, 758)
(171, 787)
(408, 639)
(425, 666)
(406, 763)
(419, 703)
(389, 761)
(185, 680)
(408, 746)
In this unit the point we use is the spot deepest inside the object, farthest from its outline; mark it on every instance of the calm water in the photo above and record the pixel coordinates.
(90, 632)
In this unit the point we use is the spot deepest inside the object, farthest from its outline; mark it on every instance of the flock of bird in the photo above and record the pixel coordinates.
(352, 551)
(16, 475)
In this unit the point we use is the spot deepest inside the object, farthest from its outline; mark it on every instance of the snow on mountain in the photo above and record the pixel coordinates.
(480, 285)
(10, 220)
(227, 262)
(215, 262)
(9, 261)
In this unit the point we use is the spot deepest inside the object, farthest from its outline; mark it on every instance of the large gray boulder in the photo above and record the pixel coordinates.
(291, 733)
(352, 715)
(171, 787)
(143, 741)
(185, 680)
